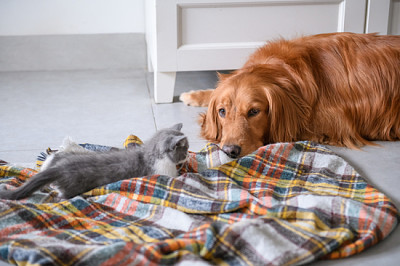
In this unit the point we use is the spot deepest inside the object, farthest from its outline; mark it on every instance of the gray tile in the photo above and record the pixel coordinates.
(195, 80)
(168, 114)
(20, 157)
(98, 106)
(187, 81)
(40, 108)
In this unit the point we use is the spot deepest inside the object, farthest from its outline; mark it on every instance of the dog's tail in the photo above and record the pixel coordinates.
(34, 183)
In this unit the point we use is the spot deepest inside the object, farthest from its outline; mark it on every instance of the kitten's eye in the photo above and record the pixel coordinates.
(253, 112)
(221, 112)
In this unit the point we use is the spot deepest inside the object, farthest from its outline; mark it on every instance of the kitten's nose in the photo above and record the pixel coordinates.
(233, 151)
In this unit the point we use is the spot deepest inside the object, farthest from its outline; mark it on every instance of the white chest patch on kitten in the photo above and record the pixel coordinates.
(165, 166)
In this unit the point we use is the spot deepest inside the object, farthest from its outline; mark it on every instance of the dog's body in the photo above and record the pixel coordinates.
(341, 89)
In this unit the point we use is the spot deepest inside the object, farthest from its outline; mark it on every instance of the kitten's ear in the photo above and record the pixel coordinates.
(177, 141)
(177, 127)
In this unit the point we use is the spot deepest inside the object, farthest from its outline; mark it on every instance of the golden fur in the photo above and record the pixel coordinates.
(341, 89)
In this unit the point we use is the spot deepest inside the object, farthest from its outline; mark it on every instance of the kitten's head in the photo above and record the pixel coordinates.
(170, 142)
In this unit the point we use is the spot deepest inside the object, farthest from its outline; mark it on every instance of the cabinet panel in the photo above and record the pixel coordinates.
(256, 23)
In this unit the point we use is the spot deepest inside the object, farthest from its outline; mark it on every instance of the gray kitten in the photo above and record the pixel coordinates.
(76, 173)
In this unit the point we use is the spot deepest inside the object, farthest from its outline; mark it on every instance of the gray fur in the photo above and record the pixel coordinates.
(76, 173)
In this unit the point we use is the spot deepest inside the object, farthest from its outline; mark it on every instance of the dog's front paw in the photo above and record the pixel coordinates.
(188, 99)
(198, 98)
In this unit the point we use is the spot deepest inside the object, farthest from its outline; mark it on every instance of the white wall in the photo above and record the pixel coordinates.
(45, 17)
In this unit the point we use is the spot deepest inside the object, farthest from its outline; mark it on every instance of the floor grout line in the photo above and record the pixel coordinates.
(151, 101)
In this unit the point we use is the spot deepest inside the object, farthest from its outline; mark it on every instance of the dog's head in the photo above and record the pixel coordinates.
(252, 107)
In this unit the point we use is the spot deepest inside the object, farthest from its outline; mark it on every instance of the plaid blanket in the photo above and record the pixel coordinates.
(287, 203)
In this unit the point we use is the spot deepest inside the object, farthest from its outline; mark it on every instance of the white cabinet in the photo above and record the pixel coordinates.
(189, 35)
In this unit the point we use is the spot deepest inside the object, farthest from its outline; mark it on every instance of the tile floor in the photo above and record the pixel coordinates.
(38, 109)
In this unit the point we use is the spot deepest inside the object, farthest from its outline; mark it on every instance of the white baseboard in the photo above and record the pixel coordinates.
(72, 52)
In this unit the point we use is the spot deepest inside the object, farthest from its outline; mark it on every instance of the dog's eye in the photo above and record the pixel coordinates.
(221, 112)
(253, 112)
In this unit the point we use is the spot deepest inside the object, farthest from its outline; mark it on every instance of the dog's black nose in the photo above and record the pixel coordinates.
(233, 151)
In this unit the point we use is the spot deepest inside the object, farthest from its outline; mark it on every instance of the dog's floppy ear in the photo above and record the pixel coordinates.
(223, 76)
(210, 124)
(288, 113)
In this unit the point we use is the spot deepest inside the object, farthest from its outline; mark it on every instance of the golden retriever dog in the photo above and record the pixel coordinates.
(340, 89)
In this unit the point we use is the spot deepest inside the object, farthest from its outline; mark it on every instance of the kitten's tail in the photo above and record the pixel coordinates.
(34, 183)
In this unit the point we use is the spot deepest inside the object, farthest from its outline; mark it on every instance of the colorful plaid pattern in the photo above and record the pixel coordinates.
(287, 203)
